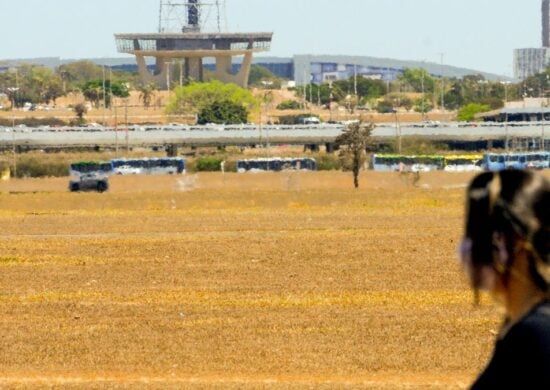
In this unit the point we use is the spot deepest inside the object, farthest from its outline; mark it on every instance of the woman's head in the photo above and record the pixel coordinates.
(507, 212)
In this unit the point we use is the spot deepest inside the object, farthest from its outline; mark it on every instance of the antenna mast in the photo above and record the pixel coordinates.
(190, 15)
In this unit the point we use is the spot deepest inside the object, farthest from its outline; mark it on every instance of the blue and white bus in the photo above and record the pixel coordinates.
(276, 165)
(149, 166)
(463, 163)
(403, 163)
(530, 160)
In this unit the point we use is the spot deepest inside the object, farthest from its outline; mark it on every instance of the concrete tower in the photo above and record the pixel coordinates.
(545, 23)
(190, 45)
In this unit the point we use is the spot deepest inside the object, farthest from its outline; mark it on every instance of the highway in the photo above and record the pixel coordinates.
(182, 135)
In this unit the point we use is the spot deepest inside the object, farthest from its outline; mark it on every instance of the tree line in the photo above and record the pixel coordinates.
(39, 85)
(415, 89)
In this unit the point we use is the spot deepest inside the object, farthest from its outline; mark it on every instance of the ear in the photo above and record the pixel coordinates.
(502, 257)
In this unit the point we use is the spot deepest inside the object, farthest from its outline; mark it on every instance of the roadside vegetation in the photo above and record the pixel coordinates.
(415, 90)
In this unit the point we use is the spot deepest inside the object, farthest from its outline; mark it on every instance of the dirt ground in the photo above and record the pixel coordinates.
(290, 280)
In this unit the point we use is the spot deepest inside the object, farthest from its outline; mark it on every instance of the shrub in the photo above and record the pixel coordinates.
(469, 112)
(208, 164)
(3, 166)
(423, 105)
(328, 162)
(33, 122)
(385, 106)
(33, 167)
(223, 112)
(289, 105)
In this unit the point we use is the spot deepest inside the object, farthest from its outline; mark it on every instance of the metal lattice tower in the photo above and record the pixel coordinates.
(545, 23)
(192, 16)
(189, 32)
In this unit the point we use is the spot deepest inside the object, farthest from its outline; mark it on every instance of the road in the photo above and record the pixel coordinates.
(254, 134)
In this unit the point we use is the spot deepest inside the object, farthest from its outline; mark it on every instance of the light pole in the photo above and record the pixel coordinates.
(398, 132)
(442, 86)
(505, 83)
(104, 97)
(13, 91)
(330, 100)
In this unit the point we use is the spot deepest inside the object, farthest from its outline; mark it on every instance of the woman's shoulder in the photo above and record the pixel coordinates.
(534, 328)
(539, 316)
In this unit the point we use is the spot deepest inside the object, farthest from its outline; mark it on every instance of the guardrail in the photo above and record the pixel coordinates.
(253, 134)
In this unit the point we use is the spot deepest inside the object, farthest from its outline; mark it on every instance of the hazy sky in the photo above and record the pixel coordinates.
(477, 34)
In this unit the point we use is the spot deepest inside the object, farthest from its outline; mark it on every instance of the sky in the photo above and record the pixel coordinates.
(475, 34)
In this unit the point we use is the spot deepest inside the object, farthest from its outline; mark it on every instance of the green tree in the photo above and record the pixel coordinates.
(366, 88)
(323, 94)
(37, 84)
(419, 80)
(423, 105)
(223, 112)
(493, 102)
(454, 98)
(263, 77)
(355, 139)
(369, 88)
(194, 97)
(469, 112)
(80, 72)
(94, 92)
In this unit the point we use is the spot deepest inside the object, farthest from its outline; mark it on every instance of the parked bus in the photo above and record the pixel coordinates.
(149, 166)
(463, 163)
(82, 167)
(276, 164)
(531, 160)
(403, 163)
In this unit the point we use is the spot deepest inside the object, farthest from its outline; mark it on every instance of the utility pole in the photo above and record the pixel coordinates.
(330, 100)
(422, 87)
(116, 131)
(355, 80)
(168, 75)
(126, 126)
(442, 83)
(104, 96)
(13, 91)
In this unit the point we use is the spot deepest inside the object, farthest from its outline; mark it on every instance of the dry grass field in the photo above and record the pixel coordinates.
(276, 281)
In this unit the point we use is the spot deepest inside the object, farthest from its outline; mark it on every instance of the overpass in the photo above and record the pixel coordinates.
(477, 135)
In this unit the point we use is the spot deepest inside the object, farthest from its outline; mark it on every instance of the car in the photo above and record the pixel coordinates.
(90, 182)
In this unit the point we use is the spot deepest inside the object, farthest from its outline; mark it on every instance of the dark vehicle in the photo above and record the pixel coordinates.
(90, 182)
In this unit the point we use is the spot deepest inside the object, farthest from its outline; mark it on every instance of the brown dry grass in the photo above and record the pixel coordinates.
(242, 281)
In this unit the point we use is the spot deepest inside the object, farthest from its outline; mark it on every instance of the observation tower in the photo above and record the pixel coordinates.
(188, 34)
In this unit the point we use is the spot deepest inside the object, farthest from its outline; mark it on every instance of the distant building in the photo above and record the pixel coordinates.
(325, 68)
(545, 23)
(530, 61)
(301, 68)
(305, 69)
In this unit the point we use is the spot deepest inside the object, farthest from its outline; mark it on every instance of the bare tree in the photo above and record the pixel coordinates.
(355, 139)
